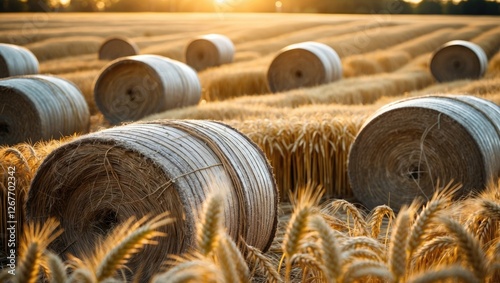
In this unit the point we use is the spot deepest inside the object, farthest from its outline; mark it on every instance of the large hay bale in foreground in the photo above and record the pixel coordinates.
(209, 50)
(458, 60)
(17, 61)
(406, 148)
(40, 107)
(117, 47)
(304, 64)
(131, 88)
(100, 180)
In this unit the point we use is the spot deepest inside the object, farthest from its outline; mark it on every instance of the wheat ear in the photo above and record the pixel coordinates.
(231, 261)
(307, 261)
(432, 246)
(377, 217)
(57, 269)
(198, 270)
(491, 209)
(358, 219)
(352, 255)
(362, 268)
(37, 237)
(449, 273)
(126, 240)
(398, 245)
(208, 231)
(83, 275)
(330, 252)
(259, 259)
(469, 246)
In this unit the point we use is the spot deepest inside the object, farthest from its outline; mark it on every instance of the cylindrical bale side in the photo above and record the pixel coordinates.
(40, 107)
(131, 88)
(409, 147)
(17, 61)
(304, 64)
(98, 181)
(117, 47)
(457, 60)
(209, 50)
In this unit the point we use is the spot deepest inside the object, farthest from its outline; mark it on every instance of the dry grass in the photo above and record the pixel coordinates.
(306, 135)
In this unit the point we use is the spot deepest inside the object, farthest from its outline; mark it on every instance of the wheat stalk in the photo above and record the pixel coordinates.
(470, 247)
(210, 226)
(259, 259)
(36, 239)
(126, 240)
(330, 252)
(398, 246)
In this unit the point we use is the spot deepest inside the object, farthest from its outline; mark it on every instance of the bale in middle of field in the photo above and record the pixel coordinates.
(304, 64)
(131, 88)
(102, 179)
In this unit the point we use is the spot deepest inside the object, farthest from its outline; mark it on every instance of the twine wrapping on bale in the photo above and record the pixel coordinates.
(209, 50)
(406, 148)
(131, 88)
(17, 61)
(40, 107)
(100, 180)
(457, 60)
(117, 47)
(304, 64)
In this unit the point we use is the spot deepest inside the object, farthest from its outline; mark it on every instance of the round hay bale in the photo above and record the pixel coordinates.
(458, 60)
(117, 47)
(100, 180)
(131, 88)
(209, 50)
(40, 107)
(304, 64)
(16, 61)
(409, 147)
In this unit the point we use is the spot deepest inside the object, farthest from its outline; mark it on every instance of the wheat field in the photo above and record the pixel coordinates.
(324, 234)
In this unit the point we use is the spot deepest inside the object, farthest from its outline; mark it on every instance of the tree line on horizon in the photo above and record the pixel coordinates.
(465, 7)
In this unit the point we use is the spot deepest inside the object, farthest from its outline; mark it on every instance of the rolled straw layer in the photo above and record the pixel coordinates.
(131, 88)
(100, 180)
(209, 50)
(303, 65)
(16, 61)
(117, 47)
(408, 148)
(457, 60)
(40, 107)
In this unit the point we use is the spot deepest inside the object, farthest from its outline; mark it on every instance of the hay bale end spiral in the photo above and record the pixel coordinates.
(131, 88)
(406, 148)
(100, 180)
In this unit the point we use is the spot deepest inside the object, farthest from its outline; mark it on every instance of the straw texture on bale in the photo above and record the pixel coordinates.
(17, 61)
(131, 88)
(40, 107)
(117, 47)
(100, 180)
(304, 64)
(409, 147)
(209, 50)
(458, 59)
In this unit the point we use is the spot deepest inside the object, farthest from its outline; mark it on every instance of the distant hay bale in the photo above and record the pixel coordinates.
(117, 47)
(16, 61)
(409, 147)
(303, 65)
(40, 107)
(209, 50)
(457, 60)
(102, 179)
(131, 88)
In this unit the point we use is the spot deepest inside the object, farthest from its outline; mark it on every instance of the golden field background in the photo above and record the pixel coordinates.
(305, 133)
